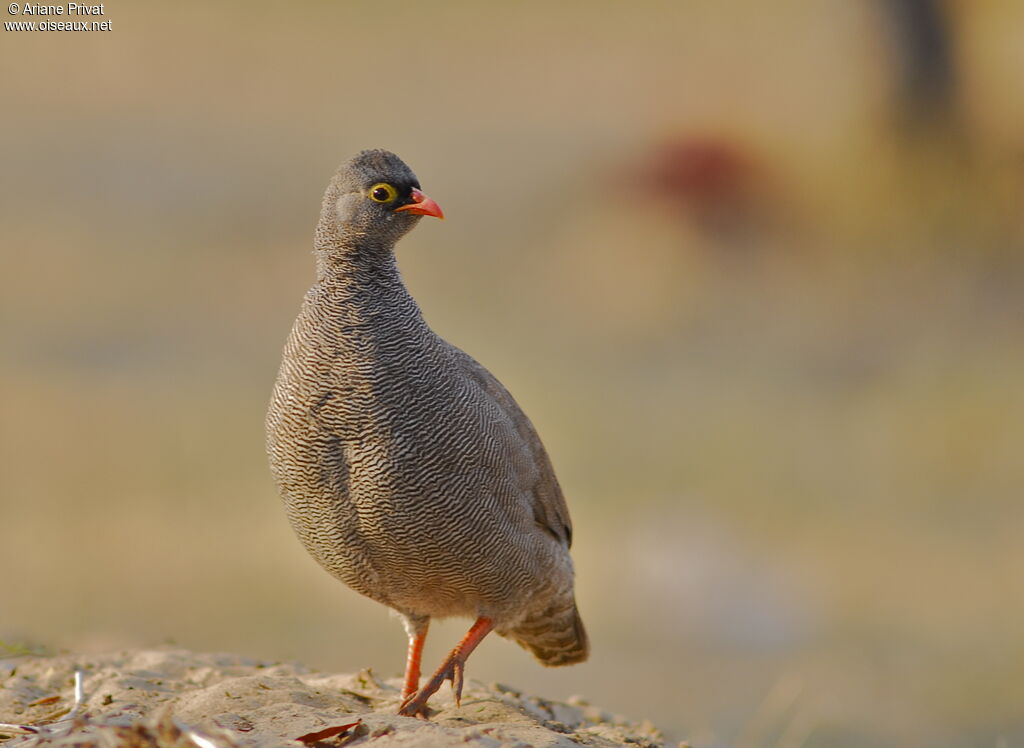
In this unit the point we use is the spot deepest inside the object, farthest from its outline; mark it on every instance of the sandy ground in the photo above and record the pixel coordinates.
(170, 697)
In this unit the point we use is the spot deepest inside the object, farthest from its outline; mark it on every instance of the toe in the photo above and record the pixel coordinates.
(457, 671)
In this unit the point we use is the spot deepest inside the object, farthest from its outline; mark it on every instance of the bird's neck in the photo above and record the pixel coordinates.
(347, 256)
(357, 265)
(363, 286)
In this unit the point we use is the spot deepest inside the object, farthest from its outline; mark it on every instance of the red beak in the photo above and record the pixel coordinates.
(422, 205)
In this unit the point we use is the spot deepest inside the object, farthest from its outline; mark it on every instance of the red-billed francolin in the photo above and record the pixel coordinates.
(407, 470)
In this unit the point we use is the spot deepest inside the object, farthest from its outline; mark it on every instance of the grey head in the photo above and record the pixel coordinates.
(372, 201)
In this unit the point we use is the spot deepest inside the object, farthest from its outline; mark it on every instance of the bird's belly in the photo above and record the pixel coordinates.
(438, 547)
(416, 501)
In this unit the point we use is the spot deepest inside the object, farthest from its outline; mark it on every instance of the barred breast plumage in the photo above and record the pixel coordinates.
(407, 470)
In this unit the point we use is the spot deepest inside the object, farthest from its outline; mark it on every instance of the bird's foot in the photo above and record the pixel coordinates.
(415, 704)
(413, 707)
(455, 676)
(452, 669)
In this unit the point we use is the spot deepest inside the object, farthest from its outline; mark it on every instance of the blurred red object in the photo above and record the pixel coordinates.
(712, 183)
(702, 172)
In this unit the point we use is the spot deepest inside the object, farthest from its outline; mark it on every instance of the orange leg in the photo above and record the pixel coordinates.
(415, 705)
(417, 637)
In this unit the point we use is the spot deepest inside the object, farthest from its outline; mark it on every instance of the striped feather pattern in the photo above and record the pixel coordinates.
(406, 469)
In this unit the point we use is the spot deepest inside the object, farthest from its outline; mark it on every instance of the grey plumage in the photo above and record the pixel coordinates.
(407, 470)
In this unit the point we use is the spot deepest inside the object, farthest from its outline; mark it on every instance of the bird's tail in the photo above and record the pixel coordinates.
(556, 637)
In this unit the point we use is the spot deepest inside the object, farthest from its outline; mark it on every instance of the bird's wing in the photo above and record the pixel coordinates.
(547, 501)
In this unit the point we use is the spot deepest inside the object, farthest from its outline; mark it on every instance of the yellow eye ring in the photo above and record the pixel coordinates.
(383, 193)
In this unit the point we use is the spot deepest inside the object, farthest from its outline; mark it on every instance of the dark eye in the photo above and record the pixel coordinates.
(383, 193)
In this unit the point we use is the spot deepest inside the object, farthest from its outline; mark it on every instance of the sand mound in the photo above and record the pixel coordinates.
(172, 697)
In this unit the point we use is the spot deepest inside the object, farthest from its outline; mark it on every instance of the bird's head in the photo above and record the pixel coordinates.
(373, 200)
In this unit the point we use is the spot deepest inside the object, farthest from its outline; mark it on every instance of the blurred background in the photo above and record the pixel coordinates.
(755, 275)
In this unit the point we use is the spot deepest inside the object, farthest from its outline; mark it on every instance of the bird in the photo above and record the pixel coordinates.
(406, 469)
